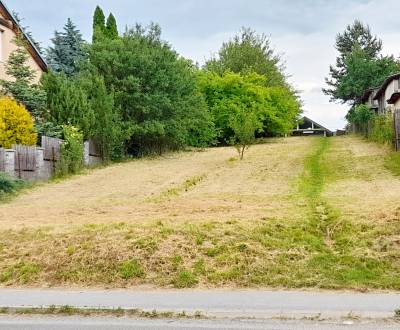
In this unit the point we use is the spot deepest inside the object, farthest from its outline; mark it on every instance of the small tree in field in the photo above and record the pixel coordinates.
(244, 126)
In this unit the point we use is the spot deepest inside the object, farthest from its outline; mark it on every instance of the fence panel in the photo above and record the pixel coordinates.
(52, 148)
(2, 160)
(25, 158)
(397, 129)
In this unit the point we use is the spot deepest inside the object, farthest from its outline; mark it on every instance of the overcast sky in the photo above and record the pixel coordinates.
(303, 31)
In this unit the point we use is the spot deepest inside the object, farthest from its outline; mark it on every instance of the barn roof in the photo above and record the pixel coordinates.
(317, 124)
(386, 83)
(12, 23)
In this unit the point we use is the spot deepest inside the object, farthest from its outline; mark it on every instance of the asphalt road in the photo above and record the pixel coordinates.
(218, 303)
(33, 323)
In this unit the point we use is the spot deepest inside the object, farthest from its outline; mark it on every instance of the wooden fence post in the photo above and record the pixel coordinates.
(396, 126)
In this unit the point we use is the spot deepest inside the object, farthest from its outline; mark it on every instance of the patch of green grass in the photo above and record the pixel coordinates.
(185, 279)
(22, 272)
(71, 250)
(312, 181)
(131, 269)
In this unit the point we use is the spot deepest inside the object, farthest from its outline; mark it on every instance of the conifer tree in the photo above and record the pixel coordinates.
(111, 27)
(22, 87)
(67, 50)
(99, 24)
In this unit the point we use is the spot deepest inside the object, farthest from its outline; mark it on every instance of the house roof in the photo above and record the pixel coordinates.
(385, 84)
(12, 23)
(315, 123)
(368, 93)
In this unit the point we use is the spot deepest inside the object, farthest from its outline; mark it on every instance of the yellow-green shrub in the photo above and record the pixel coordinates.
(16, 124)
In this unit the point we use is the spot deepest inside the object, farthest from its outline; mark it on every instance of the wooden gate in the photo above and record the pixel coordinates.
(396, 123)
(25, 159)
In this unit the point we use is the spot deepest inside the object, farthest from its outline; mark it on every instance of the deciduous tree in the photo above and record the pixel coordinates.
(249, 52)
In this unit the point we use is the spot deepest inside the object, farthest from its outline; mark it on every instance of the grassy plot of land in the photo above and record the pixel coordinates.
(295, 213)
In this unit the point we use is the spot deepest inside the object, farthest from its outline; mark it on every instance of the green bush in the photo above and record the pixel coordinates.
(71, 160)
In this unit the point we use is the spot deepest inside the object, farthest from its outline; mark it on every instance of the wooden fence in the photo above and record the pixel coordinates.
(52, 148)
(396, 124)
(25, 159)
(39, 163)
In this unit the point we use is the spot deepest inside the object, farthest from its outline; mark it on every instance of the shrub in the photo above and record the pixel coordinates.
(16, 124)
(71, 160)
(9, 185)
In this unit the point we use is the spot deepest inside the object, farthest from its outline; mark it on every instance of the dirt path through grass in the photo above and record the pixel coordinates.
(295, 213)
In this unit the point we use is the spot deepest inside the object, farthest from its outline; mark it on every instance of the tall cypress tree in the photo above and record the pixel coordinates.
(99, 24)
(67, 50)
(111, 27)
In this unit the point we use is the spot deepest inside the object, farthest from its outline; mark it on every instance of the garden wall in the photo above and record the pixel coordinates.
(35, 163)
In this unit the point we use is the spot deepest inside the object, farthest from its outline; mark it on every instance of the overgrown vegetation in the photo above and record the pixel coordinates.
(133, 94)
(71, 158)
(382, 130)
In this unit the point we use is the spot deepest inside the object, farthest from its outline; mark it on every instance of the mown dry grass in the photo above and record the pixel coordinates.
(185, 186)
(203, 219)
